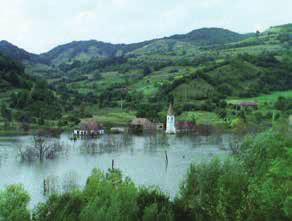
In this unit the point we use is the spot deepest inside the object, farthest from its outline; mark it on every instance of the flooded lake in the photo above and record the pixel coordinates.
(142, 158)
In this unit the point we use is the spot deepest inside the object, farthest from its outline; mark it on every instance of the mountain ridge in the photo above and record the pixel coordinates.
(95, 48)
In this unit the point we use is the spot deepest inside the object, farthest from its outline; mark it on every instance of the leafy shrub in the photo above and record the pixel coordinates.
(107, 197)
(13, 204)
(213, 191)
(267, 159)
(154, 205)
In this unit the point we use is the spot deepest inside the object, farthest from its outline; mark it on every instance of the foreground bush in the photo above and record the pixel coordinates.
(256, 185)
(13, 204)
(214, 191)
(268, 161)
(106, 197)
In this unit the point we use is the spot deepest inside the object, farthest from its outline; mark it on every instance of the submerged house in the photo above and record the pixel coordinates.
(183, 127)
(139, 125)
(89, 129)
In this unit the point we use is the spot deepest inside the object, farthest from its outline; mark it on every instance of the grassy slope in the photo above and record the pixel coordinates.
(169, 50)
(150, 85)
(174, 50)
(201, 117)
(113, 116)
(270, 98)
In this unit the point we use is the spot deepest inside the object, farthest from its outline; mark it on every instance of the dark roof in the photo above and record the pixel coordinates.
(248, 104)
(140, 121)
(145, 123)
(170, 110)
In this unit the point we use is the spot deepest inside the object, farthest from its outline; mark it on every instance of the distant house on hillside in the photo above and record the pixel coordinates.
(140, 125)
(248, 105)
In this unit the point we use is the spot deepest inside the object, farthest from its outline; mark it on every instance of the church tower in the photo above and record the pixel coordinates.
(170, 121)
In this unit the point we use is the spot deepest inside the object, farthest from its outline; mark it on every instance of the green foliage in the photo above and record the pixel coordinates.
(13, 204)
(12, 75)
(107, 197)
(214, 191)
(194, 68)
(256, 185)
(154, 205)
(149, 111)
(60, 207)
(210, 36)
(6, 113)
(39, 102)
(267, 159)
(201, 118)
(283, 104)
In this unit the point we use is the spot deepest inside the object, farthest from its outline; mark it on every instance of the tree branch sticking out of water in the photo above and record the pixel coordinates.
(43, 147)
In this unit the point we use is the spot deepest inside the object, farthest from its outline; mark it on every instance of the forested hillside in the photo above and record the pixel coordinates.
(12, 74)
(23, 98)
(199, 71)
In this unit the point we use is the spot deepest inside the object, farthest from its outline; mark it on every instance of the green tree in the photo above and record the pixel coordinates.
(13, 204)
(6, 114)
(282, 104)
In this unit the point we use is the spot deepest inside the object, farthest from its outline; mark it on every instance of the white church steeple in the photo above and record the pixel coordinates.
(170, 121)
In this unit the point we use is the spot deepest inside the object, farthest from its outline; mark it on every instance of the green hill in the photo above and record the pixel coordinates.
(12, 75)
(18, 54)
(199, 70)
(210, 36)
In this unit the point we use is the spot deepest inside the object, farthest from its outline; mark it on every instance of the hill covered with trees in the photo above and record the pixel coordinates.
(200, 71)
(24, 98)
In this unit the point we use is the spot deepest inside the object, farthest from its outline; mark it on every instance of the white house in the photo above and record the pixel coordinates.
(170, 121)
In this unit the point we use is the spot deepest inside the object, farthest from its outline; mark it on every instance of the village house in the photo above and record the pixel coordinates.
(246, 105)
(89, 129)
(139, 125)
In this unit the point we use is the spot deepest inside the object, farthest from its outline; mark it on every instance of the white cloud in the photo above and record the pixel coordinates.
(40, 25)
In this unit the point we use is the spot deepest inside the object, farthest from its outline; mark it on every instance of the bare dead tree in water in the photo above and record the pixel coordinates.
(43, 147)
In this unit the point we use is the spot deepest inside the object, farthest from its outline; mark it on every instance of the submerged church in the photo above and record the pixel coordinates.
(170, 121)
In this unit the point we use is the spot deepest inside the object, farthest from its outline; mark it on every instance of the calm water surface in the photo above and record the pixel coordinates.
(142, 158)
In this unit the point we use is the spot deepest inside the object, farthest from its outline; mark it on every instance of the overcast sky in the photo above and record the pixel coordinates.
(40, 25)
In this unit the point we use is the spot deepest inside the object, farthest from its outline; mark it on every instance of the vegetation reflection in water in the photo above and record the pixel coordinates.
(140, 157)
(252, 184)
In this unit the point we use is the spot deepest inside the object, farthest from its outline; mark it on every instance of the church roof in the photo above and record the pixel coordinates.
(170, 110)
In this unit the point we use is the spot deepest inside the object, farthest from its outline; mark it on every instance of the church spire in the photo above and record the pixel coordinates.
(170, 110)
(170, 120)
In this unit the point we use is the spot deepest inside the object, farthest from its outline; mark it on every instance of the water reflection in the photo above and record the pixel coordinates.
(154, 159)
(154, 141)
(106, 144)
